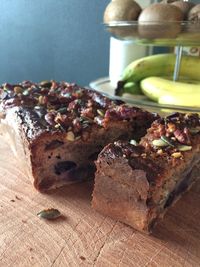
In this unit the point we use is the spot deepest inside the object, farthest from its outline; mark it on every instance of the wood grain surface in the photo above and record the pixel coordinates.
(83, 237)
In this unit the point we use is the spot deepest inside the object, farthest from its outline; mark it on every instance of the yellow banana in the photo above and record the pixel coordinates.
(180, 100)
(161, 65)
(155, 87)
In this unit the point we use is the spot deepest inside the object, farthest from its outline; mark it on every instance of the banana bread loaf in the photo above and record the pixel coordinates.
(57, 129)
(137, 184)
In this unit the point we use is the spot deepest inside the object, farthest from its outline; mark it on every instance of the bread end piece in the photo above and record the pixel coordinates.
(137, 184)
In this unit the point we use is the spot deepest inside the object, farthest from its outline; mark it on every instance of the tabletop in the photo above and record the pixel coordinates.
(83, 237)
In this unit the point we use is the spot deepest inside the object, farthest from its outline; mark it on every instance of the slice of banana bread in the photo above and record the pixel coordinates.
(57, 129)
(137, 184)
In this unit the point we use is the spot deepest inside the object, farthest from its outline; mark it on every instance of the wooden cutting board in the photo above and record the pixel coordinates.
(83, 237)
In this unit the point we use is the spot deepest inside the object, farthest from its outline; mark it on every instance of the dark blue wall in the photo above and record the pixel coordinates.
(53, 39)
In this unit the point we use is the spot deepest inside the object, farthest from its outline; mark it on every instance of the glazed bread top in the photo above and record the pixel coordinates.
(135, 156)
(64, 107)
(175, 133)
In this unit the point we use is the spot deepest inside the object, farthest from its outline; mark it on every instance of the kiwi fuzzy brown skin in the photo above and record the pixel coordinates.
(194, 13)
(184, 7)
(160, 13)
(121, 10)
(160, 21)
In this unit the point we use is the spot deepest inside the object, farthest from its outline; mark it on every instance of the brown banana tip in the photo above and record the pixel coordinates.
(120, 88)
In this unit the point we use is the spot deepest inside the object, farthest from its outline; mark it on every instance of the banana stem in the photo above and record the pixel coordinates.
(179, 50)
(120, 88)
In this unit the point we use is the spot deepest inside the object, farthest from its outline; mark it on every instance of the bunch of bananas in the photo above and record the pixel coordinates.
(152, 76)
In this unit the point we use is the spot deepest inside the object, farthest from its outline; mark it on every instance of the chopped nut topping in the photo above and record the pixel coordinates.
(160, 152)
(177, 155)
(171, 127)
(100, 112)
(167, 140)
(184, 148)
(182, 136)
(159, 143)
(133, 142)
(46, 84)
(70, 136)
(18, 89)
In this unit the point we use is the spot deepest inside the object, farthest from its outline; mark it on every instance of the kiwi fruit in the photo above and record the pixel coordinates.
(160, 13)
(121, 10)
(194, 13)
(184, 7)
(160, 21)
